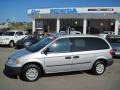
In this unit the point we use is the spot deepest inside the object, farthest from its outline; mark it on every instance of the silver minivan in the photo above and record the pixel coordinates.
(60, 54)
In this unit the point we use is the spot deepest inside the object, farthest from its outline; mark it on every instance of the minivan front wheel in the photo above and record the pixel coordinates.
(31, 73)
(98, 68)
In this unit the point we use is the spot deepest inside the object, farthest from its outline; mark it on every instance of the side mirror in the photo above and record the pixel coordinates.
(46, 51)
(27, 44)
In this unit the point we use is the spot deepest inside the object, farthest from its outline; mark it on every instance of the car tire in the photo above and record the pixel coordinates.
(11, 44)
(98, 68)
(31, 73)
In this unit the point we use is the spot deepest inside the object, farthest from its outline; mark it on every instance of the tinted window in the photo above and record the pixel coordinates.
(8, 34)
(61, 45)
(19, 33)
(87, 43)
(96, 44)
(78, 44)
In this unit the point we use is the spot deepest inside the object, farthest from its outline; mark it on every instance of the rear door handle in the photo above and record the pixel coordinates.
(68, 57)
(76, 57)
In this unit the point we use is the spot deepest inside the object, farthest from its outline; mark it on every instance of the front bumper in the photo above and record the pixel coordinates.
(12, 70)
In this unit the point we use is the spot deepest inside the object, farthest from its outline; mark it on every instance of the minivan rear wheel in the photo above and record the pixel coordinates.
(31, 73)
(98, 68)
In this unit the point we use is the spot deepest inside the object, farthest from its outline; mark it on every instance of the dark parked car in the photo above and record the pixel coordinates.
(114, 40)
(31, 39)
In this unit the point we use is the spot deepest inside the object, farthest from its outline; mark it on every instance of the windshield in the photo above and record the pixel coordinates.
(8, 34)
(36, 47)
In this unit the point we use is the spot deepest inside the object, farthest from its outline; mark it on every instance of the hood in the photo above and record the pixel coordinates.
(19, 53)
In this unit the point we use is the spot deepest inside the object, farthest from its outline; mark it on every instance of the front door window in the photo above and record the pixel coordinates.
(60, 46)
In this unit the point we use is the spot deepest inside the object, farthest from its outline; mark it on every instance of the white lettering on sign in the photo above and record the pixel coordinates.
(63, 11)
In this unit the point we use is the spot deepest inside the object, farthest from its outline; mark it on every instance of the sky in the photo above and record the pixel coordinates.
(16, 10)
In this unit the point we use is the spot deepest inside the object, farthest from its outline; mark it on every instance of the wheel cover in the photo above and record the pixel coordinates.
(32, 73)
(100, 68)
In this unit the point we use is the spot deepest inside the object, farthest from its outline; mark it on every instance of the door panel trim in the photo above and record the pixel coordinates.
(68, 64)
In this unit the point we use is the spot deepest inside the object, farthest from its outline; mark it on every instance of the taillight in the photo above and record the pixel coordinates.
(111, 52)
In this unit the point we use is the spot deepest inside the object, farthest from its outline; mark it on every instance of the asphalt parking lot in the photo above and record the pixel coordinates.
(110, 80)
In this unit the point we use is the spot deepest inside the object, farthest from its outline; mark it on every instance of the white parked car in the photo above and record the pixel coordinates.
(75, 32)
(109, 32)
(72, 32)
(11, 37)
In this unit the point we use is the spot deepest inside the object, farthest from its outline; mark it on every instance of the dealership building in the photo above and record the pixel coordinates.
(87, 20)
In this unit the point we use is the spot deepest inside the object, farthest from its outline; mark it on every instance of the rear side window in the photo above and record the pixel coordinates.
(96, 44)
(78, 44)
(87, 44)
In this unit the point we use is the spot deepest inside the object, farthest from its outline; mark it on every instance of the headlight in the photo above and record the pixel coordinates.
(17, 61)
(13, 62)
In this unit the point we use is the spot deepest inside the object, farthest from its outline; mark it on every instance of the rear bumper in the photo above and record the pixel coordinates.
(109, 62)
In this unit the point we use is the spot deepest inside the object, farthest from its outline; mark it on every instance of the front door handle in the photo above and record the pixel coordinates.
(76, 57)
(68, 57)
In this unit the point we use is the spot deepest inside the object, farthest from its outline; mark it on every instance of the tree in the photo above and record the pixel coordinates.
(20, 25)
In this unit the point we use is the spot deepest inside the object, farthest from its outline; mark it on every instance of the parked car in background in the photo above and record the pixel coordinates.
(61, 54)
(103, 35)
(70, 31)
(55, 34)
(114, 40)
(30, 39)
(109, 32)
(11, 37)
(74, 32)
